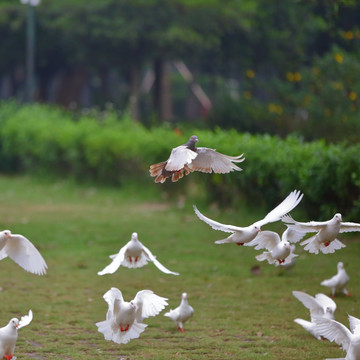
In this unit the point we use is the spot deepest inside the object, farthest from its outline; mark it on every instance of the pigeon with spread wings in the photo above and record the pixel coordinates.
(244, 235)
(133, 255)
(326, 232)
(188, 158)
(124, 320)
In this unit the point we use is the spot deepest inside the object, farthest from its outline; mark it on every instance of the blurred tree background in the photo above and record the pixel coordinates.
(260, 66)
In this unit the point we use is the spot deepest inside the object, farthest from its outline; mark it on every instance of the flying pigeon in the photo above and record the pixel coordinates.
(22, 251)
(133, 255)
(290, 261)
(349, 340)
(9, 335)
(325, 239)
(278, 249)
(124, 320)
(188, 158)
(338, 281)
(182, 313)
(244, 235)
(320, 306)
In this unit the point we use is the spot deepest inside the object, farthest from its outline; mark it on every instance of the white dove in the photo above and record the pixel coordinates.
(278, 249)
(22, 251)
(338, 281)
(124, 320)
(188, 158)
(349, 340)
(133, 255)
(320, 306)
(290, 261)
(325, 239)
(9, 335)
(182, 313)
(243, 235)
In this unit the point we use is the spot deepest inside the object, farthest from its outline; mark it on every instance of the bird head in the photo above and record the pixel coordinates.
(14, 322)
(134, 236)
(338, 217)
(133, 305)
(184, 295)
(340, 265)
(6, 234)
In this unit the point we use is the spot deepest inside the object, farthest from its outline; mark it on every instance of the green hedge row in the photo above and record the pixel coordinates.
(111, 150)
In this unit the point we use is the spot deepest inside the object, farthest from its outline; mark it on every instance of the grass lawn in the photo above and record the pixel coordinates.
(238, 315)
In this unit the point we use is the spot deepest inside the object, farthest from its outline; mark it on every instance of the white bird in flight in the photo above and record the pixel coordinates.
(188, 158)
(182, 313)
(338, 281)
(326, 232)
(124, 320)
(349, 340)
(133, 255)
(22, 251)
(9, 335)
(243, 235)
(278, 250)
(320, 306)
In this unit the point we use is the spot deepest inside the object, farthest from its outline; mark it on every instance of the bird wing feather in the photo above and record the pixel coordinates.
(179, 157)
(24, 253)
(289, 203)
(349, 226)
(25, 320)
(116, 262)
(209, 160)
(157, 263)
(148, 304)
(310, 303)
(216, 225)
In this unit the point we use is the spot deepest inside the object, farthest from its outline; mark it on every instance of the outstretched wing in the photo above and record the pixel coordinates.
(216, 225)
(292, 235)
(148, 304)
(25, 320)
(209, 160)
(349, 226)
(116, 262)
(289, 203)
(310, 303)
(265, 240)
(25, 254)
(354, 324)
(179, 157)
(111, 297)
(157, 263)
(334, 331)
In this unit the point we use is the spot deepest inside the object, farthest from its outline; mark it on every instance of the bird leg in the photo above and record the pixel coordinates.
(130, 259)
(136, 259)
(181, 329)
(8, 357)
(126, 329)
(281, 261)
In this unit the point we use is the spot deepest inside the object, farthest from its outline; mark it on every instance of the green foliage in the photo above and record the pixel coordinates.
(112, 150)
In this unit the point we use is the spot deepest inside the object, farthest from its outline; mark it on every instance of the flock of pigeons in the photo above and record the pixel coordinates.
(124, 320)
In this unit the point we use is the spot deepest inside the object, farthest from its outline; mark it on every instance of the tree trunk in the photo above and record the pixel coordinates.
(162, 99)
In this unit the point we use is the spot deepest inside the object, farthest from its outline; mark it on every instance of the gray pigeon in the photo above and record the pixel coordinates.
(188, 158)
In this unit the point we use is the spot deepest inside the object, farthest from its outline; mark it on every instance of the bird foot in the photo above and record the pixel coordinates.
(123, 330)
(327, 243)
(8, 357)
(130, 259)
(136, 259)
(240, 244)
(181, 329)
(281, 261)
(348, 294)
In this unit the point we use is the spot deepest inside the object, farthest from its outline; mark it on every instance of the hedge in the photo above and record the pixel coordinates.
(112, 149)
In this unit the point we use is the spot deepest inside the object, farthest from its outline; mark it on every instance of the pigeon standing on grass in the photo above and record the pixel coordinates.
(320, 306)
(278, 249)
(188, 158)
(326, 232)
(22, 251)
(182, 313)
(244, 235)
(338, 281)
(349, 340)
(133, 255)
(124, 320)
(9, 335)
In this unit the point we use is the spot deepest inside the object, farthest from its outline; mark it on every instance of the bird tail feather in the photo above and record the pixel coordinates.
(332, 247)
(312, 246)
(265, 256)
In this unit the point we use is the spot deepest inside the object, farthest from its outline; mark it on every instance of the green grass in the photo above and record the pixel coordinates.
(238, 315)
